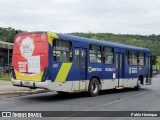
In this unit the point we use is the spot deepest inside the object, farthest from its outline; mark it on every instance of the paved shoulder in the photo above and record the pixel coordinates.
(8, 90)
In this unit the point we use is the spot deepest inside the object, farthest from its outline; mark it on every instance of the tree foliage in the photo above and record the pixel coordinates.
(151, 41)
(146, 41)
(7, 34)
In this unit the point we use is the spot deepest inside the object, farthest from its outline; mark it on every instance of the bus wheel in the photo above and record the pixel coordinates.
(138, 85)
(94, 87)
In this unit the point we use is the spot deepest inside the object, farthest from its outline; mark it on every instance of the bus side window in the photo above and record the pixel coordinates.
(62, 51)
(132, 57)
(83, 58)
(108, 54)
(77, 57)
(95, 54)
(141, 58)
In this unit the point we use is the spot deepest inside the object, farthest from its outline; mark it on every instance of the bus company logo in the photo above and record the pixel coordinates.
(110, 69)
(97, 69)
(27, 47)
(132, 70)
(90, 69)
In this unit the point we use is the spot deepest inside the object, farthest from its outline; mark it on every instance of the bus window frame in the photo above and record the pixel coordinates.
(113, 55)
(101, 47)
(144, 59)
(127, 57)
(70, 51)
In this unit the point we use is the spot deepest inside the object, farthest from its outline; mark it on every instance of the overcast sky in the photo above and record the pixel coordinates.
(65, 16)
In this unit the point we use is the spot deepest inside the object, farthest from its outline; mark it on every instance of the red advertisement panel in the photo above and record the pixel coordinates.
(30, 55)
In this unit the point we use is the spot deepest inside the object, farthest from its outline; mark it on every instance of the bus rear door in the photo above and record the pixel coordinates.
(119, 69)
(80, 61)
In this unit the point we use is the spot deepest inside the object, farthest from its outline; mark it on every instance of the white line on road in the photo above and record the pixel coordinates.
(156, 89)
(140, 93)
(114, 101)
(123, 99)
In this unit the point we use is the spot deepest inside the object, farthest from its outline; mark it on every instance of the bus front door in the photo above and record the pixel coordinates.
(80, 61)
(119, 69)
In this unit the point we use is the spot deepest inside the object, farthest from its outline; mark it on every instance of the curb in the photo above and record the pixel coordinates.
(156, 76)
(23, 92)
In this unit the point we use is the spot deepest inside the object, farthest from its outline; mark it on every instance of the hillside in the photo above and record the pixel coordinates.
(7, 34)
(152, 41)
(147, 41)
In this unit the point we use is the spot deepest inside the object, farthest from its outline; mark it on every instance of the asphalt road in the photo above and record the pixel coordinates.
(146, 99)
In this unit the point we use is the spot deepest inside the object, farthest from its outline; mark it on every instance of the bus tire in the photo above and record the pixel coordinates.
(94, 87)
(138, 85)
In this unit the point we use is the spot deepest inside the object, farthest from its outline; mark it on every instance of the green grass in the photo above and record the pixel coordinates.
(5, 76)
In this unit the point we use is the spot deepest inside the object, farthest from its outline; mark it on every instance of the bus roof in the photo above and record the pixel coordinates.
(99, 42)
(92, 41)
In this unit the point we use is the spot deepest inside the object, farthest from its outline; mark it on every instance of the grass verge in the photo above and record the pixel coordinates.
(5, 76)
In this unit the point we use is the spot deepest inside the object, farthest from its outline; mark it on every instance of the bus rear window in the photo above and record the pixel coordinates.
(62, 51)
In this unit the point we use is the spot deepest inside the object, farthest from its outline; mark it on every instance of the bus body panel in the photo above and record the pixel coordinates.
(66, 76)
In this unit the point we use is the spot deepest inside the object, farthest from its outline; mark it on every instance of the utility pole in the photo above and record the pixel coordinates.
(8, 59)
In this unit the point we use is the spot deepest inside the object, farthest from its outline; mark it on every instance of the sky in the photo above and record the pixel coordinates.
(65, 16)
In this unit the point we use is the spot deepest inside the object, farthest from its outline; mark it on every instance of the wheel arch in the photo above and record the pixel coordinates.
(141, 79)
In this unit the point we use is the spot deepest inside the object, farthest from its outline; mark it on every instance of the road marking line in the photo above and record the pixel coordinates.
(114, 101)
(140, 94)
(156, 89)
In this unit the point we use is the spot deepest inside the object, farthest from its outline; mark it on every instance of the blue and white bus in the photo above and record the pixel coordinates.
(66, 63)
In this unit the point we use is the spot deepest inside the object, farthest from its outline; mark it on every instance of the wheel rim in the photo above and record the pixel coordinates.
(94, 88)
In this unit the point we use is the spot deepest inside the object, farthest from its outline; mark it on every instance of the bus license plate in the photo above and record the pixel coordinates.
(27, 83)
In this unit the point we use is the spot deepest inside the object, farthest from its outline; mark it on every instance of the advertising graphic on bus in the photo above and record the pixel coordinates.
(66, 63)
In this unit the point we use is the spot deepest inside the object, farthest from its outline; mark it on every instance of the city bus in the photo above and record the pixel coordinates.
(69, 64)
